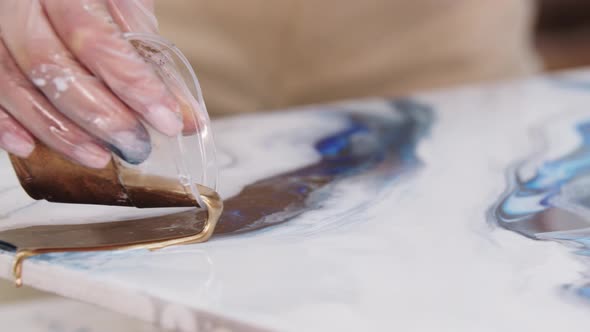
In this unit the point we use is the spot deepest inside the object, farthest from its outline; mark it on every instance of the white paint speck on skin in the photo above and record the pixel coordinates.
(40, 82)
(61, 83)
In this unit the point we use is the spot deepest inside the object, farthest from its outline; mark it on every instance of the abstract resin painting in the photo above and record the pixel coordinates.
(446, 211)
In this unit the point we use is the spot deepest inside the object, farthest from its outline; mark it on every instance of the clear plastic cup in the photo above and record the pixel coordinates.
(190, 157)
(169, 177)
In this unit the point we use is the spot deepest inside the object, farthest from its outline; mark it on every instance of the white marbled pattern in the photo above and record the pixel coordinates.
(416, 256)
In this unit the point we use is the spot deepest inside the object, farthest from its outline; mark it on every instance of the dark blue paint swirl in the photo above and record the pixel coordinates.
(370, 141)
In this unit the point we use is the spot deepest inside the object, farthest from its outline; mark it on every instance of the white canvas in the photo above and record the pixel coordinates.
(411, 245)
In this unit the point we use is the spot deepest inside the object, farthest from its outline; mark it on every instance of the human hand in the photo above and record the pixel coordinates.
(70, 79)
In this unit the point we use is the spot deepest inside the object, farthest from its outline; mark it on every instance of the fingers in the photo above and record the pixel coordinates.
(76, 93)
(14, 138)
(27, 106)
(55, 47)
(89, 32)
(138, 16)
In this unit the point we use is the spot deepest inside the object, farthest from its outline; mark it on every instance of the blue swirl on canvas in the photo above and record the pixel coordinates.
(554, 203)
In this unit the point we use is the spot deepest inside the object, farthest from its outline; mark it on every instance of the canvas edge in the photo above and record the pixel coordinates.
(156, 311)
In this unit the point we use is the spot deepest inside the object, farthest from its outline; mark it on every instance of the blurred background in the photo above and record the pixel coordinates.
(255, 55)
(563, 33)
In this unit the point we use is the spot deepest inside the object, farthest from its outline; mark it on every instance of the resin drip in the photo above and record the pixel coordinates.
(147, 233)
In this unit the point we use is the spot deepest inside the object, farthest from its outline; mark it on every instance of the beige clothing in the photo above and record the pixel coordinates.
(266, 54)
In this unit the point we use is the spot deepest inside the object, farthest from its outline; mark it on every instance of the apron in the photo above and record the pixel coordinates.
(253, 55)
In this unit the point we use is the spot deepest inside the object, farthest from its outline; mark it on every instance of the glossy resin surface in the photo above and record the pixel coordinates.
(368, 215)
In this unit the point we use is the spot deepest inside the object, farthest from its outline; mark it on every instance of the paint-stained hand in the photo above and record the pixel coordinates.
(70, 79)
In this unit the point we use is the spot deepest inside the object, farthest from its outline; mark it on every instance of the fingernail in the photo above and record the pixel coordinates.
(133, 147)
(164, 120)
(17, 144)
(91, 155)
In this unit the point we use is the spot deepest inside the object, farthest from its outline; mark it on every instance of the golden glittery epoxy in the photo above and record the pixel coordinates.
(144, 237)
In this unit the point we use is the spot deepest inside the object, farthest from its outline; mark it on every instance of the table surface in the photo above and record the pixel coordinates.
(29, 310)
(404, 240)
